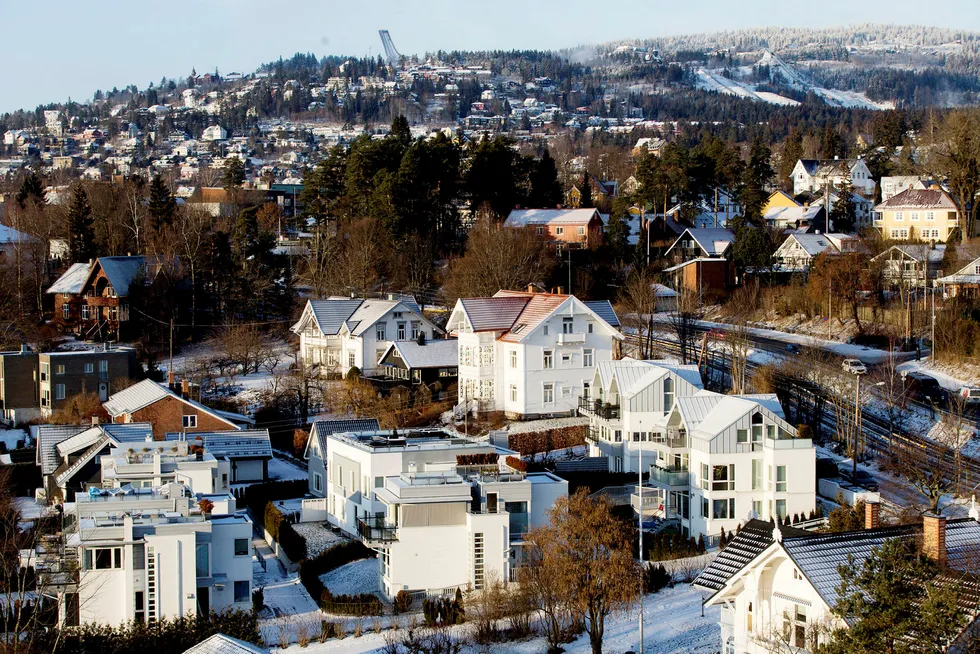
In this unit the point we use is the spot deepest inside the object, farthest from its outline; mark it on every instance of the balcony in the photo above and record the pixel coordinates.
(592, 436)
(568, 339)
(376, 531)
(598, 408)
(670, 477)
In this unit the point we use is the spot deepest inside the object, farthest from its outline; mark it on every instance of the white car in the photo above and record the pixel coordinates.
(854, 366)
(970, 394)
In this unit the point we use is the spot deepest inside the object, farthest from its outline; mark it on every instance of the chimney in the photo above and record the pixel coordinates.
(185, 388)
(106, 346)
(95, 421)
(561, 290)
(934, 537)
(872, 514)
(170, 379)
(530, 288)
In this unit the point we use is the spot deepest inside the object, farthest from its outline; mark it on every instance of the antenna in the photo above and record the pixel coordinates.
(390, 51)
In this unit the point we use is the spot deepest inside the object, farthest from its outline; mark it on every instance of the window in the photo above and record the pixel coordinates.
(590, 327)
(780, 478)
(668, 394)
(757, 428)
(781, 508)
(588, 357)
(619, 436)
(748, 618)
(190, 422)
(84, 312)
(59, 391)
(379, 482)
(224, 480)
(567, 325)
(103, 558)
(549, 393)
(899, 216)
(742, 435)
(559, 231)
(705, 479)
(930, 215)
(723, 509)
(416, 328)
(139, 607)
(65, 310)
(317, 482)
(401, 331)
(59, 369)
(103, 369)
(566, 392)
(549, 359)
(241, 591)
(201, 560)
(799, 625)
(513, 358)
(350, 359)
(914, 215)
(139, 556)
(45, 397)
(45, 371)
(566, 359)
(545, 332)
(513, 393)
(379, 331)
(586, 389)
(756, 474)
(757, 508)
(539, 230)
(723, 477)
(89, 368)
(581, 231)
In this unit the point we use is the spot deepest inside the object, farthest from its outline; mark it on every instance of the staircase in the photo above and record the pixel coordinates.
(86, 456)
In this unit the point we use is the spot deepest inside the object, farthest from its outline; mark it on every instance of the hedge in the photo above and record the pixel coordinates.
(331, 559)
(359, 605)
(256, 496)
(292, 543)
(545, 441)
(481, 459)
(517, 464)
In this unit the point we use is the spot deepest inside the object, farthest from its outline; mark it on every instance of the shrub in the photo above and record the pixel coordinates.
(292, 543)
(258, 599)
(481, 459)
(403, 601)
(256, 496)
(655, 578)
(517, 464)
(359, 605)
(546, 441)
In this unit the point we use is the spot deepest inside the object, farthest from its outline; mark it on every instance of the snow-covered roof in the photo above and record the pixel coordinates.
(913, 198)
(222, 644)
(793, 215)
(120, 271)
(249, 443)
(634, 375)
(144, 393)
(527, 217)
(72, 281)
(968, 274)
(708, 414)
(357, 315)
(48, 437)
(11, 235)
(714, 241)
(916, 251)
(437, 353)
(323, 428)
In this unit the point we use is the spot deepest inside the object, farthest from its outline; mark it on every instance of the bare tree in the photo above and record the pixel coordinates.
(684, 322)
(638, 303)
(929, 468)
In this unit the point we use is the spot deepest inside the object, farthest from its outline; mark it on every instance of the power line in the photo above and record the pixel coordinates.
(168, 323)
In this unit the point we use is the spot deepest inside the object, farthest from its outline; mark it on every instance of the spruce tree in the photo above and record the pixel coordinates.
(586, 189)
(234, 174)
(81, 236)
(162, 207)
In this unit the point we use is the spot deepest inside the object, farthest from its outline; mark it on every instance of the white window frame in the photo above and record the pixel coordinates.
(317, 482)
(513, 358)
(59, 391)
(379, 331)
(513, 392)
(559, 231)
(548, 391)
(189, 421)
(588, 357)
(548, 359)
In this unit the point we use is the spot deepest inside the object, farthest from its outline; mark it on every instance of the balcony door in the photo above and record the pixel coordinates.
(491, 502)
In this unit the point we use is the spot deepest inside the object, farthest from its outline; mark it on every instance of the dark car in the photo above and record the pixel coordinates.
(792, 348)
(826, 468)
(863, 478)
(920, 386)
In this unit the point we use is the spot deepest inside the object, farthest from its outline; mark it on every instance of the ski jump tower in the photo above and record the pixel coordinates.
(390, 52)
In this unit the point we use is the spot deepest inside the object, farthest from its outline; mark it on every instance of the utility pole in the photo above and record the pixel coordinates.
(569, 271)
(171, 369)
(857, 425)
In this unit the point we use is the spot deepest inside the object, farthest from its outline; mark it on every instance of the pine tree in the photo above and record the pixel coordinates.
(586, 189)
(81, 236)
(700, 543)
(234, 174)
(31, 190)
(162, 207)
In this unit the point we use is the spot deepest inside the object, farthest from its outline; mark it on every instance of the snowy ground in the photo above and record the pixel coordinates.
(357, 577)
(530, 426)
(282, 470)
(11, 438)
(29, 509)
(318, 538)
(673, 625)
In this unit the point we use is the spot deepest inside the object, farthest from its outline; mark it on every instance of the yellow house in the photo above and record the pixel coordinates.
(779, 199)
(917, 214)
(573, 198)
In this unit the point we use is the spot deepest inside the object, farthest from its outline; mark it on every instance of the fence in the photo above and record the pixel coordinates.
(588, 464)
(313, 510)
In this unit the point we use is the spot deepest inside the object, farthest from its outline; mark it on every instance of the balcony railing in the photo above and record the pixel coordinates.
(598, 408)
(565, 339)
(592, 435)
(375, 529)
(671, 477)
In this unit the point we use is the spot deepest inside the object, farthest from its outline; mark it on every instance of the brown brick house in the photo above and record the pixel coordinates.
(169, 410)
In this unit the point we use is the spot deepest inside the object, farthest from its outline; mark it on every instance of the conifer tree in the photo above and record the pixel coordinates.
(81, 236)
(162, 207)
(586, 189)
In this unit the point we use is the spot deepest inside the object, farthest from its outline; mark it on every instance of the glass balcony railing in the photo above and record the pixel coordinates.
(670, 477)
(598, 408)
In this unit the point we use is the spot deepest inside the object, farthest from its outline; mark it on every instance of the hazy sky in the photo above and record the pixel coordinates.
(54, 49)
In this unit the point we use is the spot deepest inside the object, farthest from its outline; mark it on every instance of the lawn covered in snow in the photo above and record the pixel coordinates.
(353, 578)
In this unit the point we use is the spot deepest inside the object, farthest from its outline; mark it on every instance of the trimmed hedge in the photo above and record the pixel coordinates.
(517, 464)
(331, 559)
(257, 496)
(545, 441)
(481, 459)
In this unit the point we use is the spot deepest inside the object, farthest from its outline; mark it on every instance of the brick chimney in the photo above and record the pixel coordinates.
(185, 388)
(872, 514)
(170, 379)
(934, 537)
(530, 288)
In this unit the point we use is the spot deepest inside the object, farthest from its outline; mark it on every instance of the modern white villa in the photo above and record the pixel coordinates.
(442, 511)
(530, 354)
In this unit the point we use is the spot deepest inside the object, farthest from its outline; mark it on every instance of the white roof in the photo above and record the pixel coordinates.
(222, 644)
(634, 375)
(968, 274)
(437, 353)
(145, 393)
(526, 217)
(73, 280)
(11, 235)
(708, 414)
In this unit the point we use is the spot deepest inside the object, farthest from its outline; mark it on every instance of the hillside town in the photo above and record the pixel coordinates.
(673, 349)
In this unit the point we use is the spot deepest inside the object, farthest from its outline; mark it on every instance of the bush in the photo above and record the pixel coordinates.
(517, 464)
(256, 496)
(258, 599)
(359, 605)
(546, 441)
(403, 601)
(444, 611)
(331, 559)
(481, 459)
(292, 543)
(656, 578)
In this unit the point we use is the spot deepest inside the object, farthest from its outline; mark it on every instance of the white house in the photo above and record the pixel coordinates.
(315, 452)
(798, 251)
(777, 586)
(895, 184)
(338, 334)
(443, 512)
(814, 175)
(863, 207)
(151, 554)
(530, 354)
(631, 398)
(214, 133)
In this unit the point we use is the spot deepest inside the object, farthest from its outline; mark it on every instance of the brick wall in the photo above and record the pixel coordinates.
(167, 414)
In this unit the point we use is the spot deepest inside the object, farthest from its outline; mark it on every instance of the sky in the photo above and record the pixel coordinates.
(55, 49)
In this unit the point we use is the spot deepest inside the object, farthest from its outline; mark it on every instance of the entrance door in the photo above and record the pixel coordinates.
(203, 600)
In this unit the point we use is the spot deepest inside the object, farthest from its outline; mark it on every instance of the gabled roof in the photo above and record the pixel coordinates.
(814, 244)
(249, 443)
(486, 314)
(120, 271)
(143, 394)
(966, 275)
(11, 235)
(518, 313)
(755, 538)
(222, 644)
(72, 281)
(714, 242)
(438, 353)
(48, 437)
(918, 252)
(708, 414)
(634, 375)
(532, 217)
(604, 309)
(355, 315)
(913, 198)
(793, 215)
(827, 166)
(323, 428)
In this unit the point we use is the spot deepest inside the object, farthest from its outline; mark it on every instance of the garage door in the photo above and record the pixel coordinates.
(248, 471)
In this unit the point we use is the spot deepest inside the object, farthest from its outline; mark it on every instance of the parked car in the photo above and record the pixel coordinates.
(826, 468)
(864, 479)
(854, 366)
(792, 348)
(922, 387)
(970, 394)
